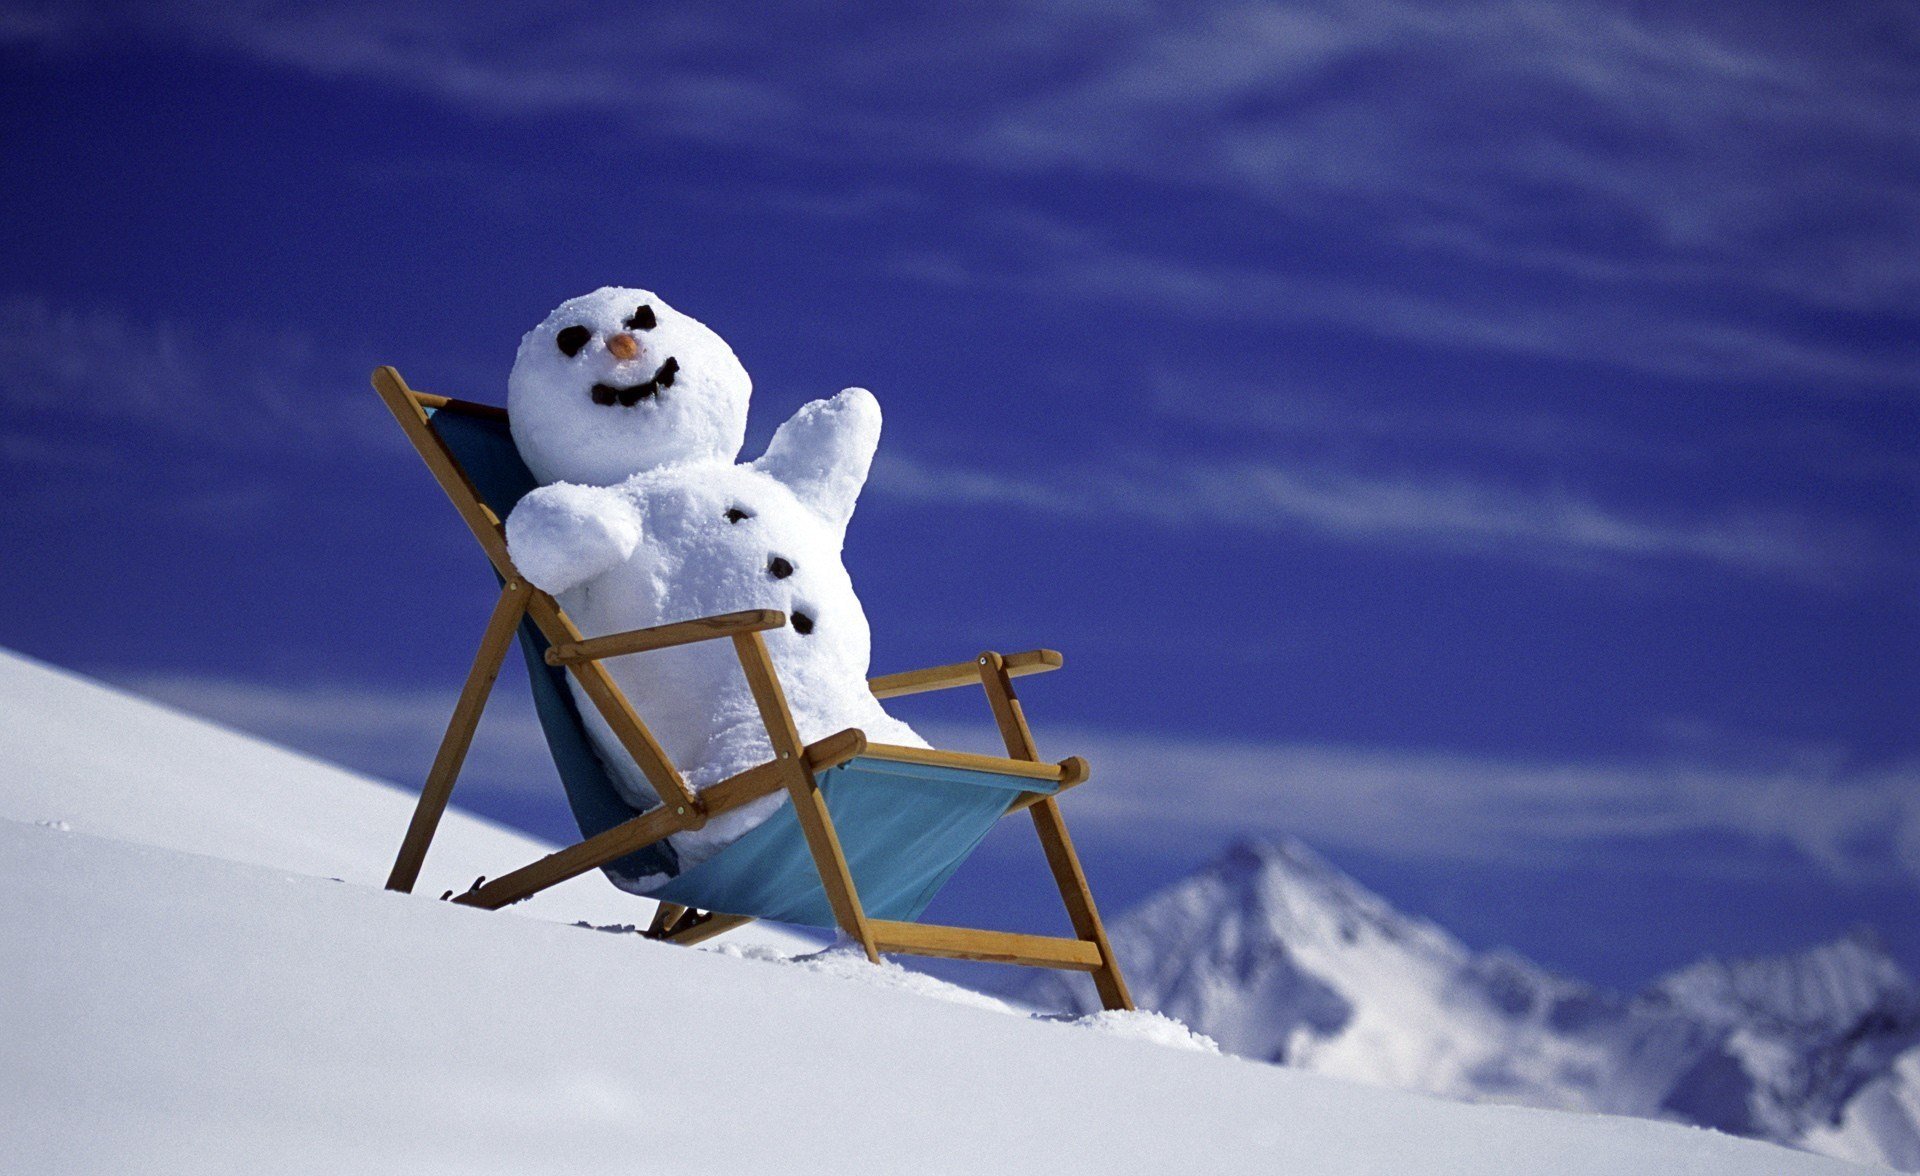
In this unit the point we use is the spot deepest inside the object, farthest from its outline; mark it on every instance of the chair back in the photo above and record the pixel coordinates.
(481, 445)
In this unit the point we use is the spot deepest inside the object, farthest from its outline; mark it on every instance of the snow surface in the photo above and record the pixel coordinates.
(1281, 957)
(175, 1011)
(1142, 1025)
(77, 755)
(169, 1012)
(646, 519)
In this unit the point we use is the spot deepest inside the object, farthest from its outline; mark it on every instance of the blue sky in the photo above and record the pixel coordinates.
(1482, 439)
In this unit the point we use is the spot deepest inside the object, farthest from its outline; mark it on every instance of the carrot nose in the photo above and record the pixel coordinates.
(622, 346)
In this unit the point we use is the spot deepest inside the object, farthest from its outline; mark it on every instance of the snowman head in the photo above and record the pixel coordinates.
(616, 382)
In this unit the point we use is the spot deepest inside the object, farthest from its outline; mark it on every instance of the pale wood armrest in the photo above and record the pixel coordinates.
(732, 624)
(1033, 661)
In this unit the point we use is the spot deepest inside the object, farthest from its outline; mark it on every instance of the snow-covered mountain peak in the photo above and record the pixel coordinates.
(1282, 891)
(1824, 989)
(1277, 954)
(1286, 958)
(1807, 1034)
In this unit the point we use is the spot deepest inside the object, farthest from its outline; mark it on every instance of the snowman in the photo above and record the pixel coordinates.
(630, 415)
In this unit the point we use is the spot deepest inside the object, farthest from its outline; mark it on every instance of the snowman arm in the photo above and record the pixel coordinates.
(563, 535)
(824, 451)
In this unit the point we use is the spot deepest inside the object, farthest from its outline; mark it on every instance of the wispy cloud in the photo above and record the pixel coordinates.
(1614, 327)
(1282, 410)
(1752, 797)
(67, 372)
(1764, 150)
(1856, 823)
(1546, 525)
(1750, 146)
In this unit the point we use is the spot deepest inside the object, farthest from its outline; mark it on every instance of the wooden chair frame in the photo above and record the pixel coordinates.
(794, 767)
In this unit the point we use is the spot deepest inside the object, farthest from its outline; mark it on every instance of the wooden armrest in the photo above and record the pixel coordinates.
(753, 620)
(1068, 772)
(1033, 661)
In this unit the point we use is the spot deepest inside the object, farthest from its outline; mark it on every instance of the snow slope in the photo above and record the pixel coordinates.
(190, 985)
(80, 755)
(169, 1012)
(1279, 956)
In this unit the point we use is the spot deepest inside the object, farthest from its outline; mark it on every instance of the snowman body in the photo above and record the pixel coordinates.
(644, 518)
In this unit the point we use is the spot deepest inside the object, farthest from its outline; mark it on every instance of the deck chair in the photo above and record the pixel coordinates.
(873, 830)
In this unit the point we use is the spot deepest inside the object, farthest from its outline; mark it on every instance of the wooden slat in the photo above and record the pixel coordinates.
(1078, 897)
(990, 670)
(492, 412)
(836, 749)
(1074, 764)
(494, 643)
(1033, 661)
(808, 805)
(666, 636)
(637, 833)
(665, 915)
(710, 927)
(750, 785)
(1054, 840)
(969, 762)
(612, 702)
(763, 779)
(577, 859)
(768, 695)
(968, 943)
(405, 404)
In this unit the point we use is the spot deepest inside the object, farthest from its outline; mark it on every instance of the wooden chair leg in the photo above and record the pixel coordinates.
(459, 737)
(665, 917)
(641, 831)
(575, 860)
(1078, 897)
(808, 805)
(824, 843)
(699, 929)
(1054, 840)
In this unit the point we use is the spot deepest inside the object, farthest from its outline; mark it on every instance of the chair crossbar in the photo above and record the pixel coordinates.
(1005, 947)
(752, 620)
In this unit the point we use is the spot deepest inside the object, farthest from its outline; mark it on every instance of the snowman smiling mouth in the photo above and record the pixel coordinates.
(633, 394)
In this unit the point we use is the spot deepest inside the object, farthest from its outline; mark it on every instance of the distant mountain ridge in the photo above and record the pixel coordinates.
(1279, 956)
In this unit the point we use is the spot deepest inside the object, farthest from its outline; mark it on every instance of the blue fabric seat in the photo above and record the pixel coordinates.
(904, 828)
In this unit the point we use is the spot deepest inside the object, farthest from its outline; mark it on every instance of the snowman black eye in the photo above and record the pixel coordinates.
(736, 515)
(571, 340)
(641, 320)
(780, 567)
